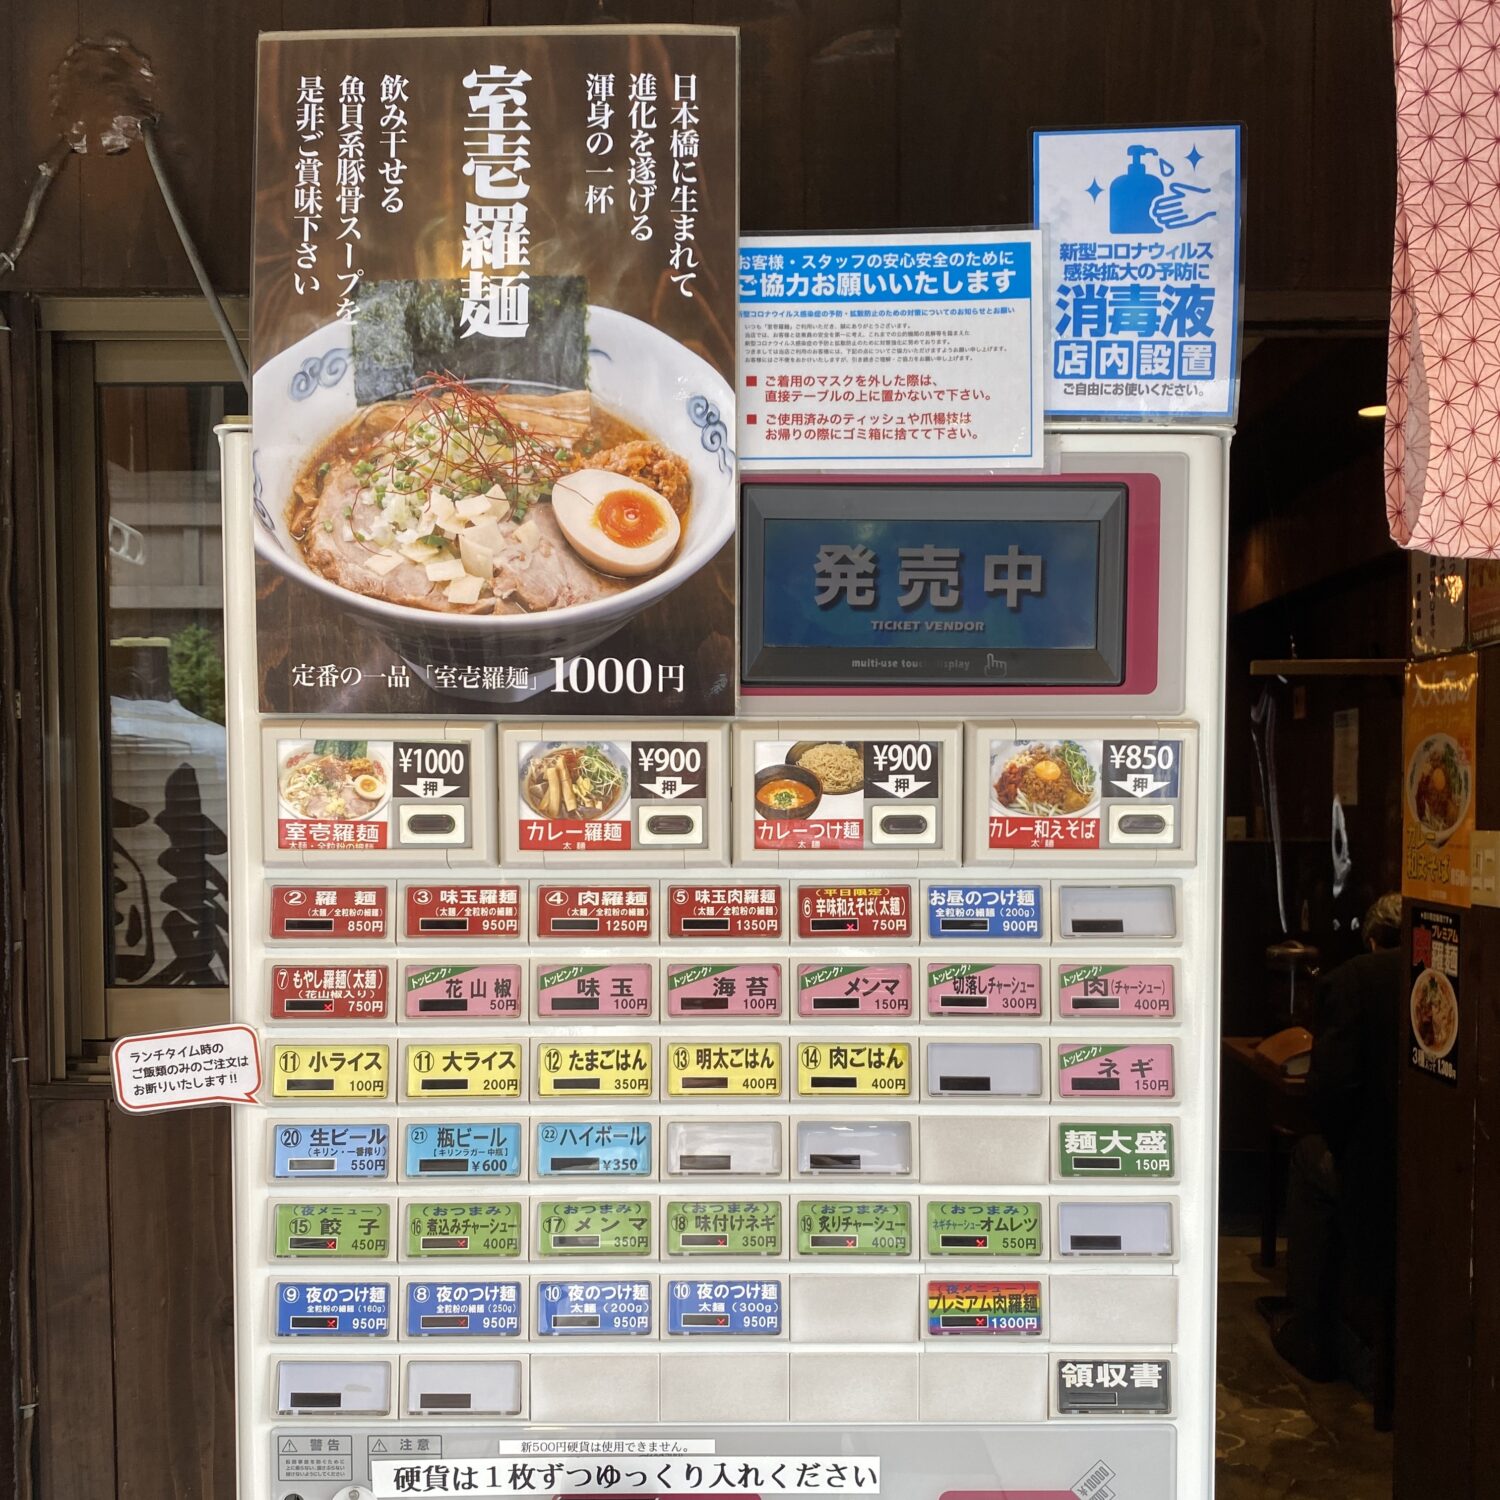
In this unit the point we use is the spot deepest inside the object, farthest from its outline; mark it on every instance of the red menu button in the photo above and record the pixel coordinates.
(316, 913)
(845, 913)
(462, 911)
(698, 910)
(585, 912)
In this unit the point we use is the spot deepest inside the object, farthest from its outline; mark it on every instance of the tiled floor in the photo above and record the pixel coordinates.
(1279, 1435)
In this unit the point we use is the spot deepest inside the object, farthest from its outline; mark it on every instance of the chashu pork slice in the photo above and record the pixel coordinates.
(535, 568)
(549, 574)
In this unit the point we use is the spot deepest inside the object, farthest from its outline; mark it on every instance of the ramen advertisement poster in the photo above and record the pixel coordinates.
(1438, 778)
(1434, 993)
(493, 341)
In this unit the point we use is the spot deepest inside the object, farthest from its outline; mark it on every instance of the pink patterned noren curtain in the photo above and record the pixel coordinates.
(1442, 435)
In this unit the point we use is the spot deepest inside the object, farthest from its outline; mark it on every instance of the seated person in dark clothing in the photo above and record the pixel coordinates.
(1341, 1193)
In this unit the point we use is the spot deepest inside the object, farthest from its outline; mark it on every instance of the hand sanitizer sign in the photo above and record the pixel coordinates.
(1143, 270)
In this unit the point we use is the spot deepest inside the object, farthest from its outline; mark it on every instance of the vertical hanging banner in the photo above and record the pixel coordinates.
(891, 351)
(1434, 993)
(493, 342)
(1438, 744)
(1143, 270)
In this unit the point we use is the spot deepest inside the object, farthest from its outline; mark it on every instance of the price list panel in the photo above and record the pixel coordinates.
(682, 1102)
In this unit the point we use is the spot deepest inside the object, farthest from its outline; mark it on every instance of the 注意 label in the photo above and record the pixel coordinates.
(589, 1070)
(315, 1231)
(984, 989)
(477, 991)
(330, 912)
(871, 1069)
(597, 1308)
(474, 1070)
(476, 1229)
(462, 911)
(984, 1307)
(1123, 990)
(329, 992)
(1111, 1070)
(567, 991)
(848, 1228)
(731, 1306)
(329, 1070)
(1116, 1150)
(723, 1227)
(844, 913)
(318, 1150)
(589, 1148)
(476, 1149)
(580, 1228)
(854, 989)
(713, 912)
(978, 1227)
(724, 1069)
(567, 913)
(333, 1309)
(957, 912)
(463, 1309)
(750, 989)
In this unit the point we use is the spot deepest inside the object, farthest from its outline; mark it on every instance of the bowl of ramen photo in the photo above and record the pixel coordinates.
(473, 521)
(1046, 779)
(1438, 787)
(579, 781)
(332, 781)
(785, 792)
(1434, 1013)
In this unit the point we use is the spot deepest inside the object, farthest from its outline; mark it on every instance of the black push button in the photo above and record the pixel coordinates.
(1137, 824)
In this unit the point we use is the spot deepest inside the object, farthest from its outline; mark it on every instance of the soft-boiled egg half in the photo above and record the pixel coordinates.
(615, 524)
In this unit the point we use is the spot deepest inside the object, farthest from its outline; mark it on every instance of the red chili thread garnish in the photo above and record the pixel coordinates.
(468, 450)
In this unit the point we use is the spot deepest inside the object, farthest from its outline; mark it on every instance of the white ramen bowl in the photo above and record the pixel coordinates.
(306, 393)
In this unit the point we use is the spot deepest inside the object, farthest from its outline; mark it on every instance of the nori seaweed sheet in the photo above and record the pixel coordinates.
(403, 329)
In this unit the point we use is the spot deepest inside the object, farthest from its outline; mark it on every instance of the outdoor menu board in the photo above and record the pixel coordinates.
(494, 327)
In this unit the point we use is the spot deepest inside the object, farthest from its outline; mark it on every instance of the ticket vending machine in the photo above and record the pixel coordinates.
(836, 1083)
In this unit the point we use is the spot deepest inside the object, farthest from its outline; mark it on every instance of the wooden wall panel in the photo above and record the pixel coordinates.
(33, 39)
(853, 175)
(856, 113)
(75, 1367)
(173, 1304)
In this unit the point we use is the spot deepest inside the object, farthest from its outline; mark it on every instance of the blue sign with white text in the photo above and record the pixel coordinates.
(458, 1150)
(984, 911)
(1143, 269)
(724, 1307)
(333, 1309)
(598, 1309)
(319, 1150)
(463, 1310)
(597, 1148)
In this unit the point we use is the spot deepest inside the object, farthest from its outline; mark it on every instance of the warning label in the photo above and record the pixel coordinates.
(311, 1457)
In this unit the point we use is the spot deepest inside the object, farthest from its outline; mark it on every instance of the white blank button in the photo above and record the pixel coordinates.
(728, 1387)
(962, 1149)
(594, 1387)
(993, 1386)
(1114, 1309)
(854, 1309)
(852, 1388)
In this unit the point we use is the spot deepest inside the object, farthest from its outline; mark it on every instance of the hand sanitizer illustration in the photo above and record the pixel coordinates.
(1133, 192)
